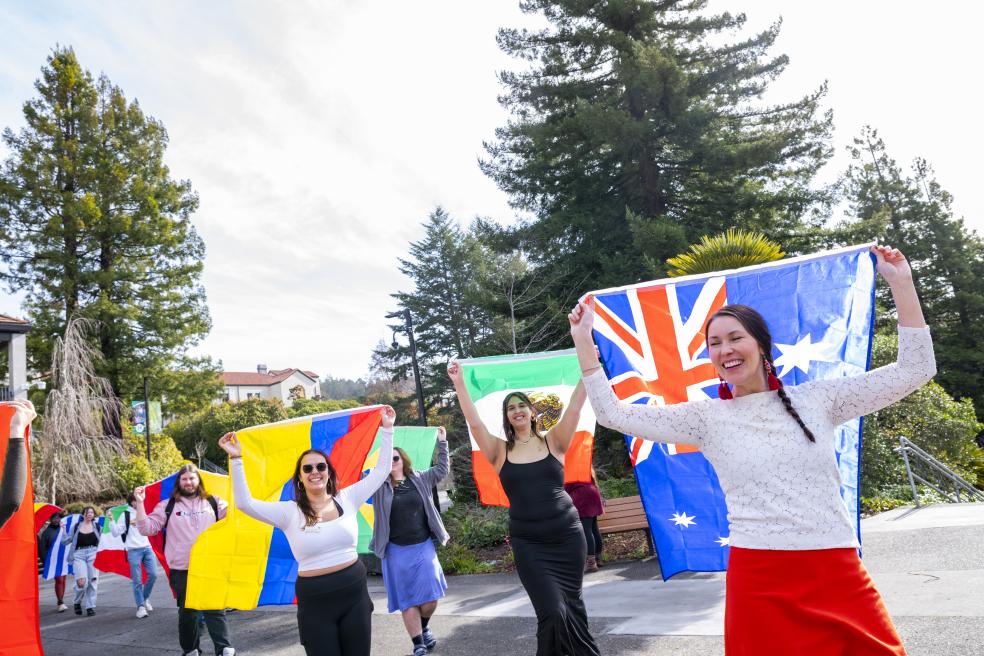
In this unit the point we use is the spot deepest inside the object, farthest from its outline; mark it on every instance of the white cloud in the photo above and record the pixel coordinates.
(320, 134)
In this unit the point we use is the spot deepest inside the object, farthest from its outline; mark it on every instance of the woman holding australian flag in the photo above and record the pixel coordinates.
(795, 582)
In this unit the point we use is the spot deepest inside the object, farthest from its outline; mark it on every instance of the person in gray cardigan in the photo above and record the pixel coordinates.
(406, 525)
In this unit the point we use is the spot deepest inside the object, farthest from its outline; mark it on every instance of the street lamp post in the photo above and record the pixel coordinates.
(413, 358)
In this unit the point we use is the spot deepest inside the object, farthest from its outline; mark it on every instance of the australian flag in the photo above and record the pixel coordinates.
(820, 309)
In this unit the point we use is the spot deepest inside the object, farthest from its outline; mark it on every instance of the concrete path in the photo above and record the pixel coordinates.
(928, 564)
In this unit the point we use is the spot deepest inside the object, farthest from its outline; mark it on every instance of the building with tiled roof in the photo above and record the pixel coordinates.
(283, 384)
(13, 351)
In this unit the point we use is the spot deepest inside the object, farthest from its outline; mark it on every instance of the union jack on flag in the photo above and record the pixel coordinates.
(652, 344)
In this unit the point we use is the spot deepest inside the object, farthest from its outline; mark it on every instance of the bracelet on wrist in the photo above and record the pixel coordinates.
(590, 370)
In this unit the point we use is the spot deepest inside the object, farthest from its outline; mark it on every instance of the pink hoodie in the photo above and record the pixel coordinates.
(188, 519)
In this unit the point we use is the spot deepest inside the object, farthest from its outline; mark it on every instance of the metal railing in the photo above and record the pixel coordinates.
(920, 467)
(6, 394)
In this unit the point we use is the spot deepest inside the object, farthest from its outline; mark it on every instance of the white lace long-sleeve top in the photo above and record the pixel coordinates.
(327, 543)
(782, 491)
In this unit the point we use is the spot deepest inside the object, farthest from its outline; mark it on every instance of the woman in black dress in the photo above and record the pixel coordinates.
(544, 527)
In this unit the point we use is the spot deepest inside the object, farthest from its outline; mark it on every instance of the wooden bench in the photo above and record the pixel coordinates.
(626, 514)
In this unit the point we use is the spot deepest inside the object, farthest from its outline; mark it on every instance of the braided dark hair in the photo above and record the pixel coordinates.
(755, 324)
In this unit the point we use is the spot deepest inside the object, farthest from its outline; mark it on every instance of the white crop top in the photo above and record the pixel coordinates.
(327, 543)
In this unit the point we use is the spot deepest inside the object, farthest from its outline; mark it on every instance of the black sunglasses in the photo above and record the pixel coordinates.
(396, 458)
(321, 466)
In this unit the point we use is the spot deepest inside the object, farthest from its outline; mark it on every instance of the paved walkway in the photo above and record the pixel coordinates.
(928, 563)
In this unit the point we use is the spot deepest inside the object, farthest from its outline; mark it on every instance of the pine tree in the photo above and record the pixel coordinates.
(633, 135)
(914, 213)
(97, 228)
(448, 305)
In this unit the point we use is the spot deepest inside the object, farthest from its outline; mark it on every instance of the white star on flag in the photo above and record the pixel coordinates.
(682, 519)
(802, 353)
(724, 541)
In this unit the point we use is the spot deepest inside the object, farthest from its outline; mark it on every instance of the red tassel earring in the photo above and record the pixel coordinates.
(724, 392)
(774, 382)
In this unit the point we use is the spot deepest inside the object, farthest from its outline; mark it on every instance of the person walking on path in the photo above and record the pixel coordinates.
(544, 530)
(83, 543)
(587, 499)
(185, 515)
(334, 610)
(795, 583)
(47, 539)
(139, 555)
(406, 524)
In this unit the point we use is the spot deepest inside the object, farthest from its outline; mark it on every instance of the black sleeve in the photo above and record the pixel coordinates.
(14, 479)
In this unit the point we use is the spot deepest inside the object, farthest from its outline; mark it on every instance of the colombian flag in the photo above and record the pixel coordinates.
(18, 568)
(243, 563)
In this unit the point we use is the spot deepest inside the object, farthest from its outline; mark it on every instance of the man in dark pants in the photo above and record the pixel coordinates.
(183, 517)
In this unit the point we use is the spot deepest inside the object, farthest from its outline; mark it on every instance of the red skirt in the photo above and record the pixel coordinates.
(820, 602)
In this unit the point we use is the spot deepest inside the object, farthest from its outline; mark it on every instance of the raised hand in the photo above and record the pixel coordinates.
(139, 494)
(389, 416)
(581, 319)
(442, 434)
(24, 414)
(455, 373)
(231, 445)
(891, 264)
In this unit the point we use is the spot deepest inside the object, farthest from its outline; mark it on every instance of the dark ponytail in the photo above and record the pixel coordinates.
(756, 326)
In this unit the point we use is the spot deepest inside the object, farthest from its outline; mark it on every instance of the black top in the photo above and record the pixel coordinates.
(408, 520)
(538, 504)
(87, 540)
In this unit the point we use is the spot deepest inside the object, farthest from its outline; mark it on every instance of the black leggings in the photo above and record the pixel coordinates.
(592, 535)
(334, 612)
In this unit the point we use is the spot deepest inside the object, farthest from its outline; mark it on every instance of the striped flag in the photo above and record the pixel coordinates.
(111, 555)
(243, 563)
(820, 310)
(42, 513)
(56, 561)
(548, 379)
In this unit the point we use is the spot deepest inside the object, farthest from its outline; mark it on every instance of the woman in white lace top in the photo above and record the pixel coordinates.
(795, 582)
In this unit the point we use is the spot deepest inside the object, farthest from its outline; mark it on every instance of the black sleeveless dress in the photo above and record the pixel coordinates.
(549, 548)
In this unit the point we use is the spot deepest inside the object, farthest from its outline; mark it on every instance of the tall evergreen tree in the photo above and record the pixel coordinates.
(447, 305)
(97, 228)
(914, 213)
(634, 134)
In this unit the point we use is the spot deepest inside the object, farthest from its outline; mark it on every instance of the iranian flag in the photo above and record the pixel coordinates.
(548, 379)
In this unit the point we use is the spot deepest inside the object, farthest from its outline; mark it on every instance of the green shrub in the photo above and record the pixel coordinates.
(457, 559)
(478, 527)
(307, 407)
(615, 488)
(76, 507)
(203, 429)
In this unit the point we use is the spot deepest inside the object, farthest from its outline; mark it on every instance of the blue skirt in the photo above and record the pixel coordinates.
(412, 575)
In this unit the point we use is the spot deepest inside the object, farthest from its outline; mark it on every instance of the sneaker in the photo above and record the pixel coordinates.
(228, 651)
(78, 609)
(429, 640)
(147, 605)
(90, 611)
(419, 650)
(193, 652)
(62, 608)
(142, 612)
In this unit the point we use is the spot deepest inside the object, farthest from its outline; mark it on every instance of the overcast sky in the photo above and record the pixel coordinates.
(320, 134)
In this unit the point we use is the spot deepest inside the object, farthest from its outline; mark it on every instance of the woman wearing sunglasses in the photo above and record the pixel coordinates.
(334, 611)
(406, 521)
